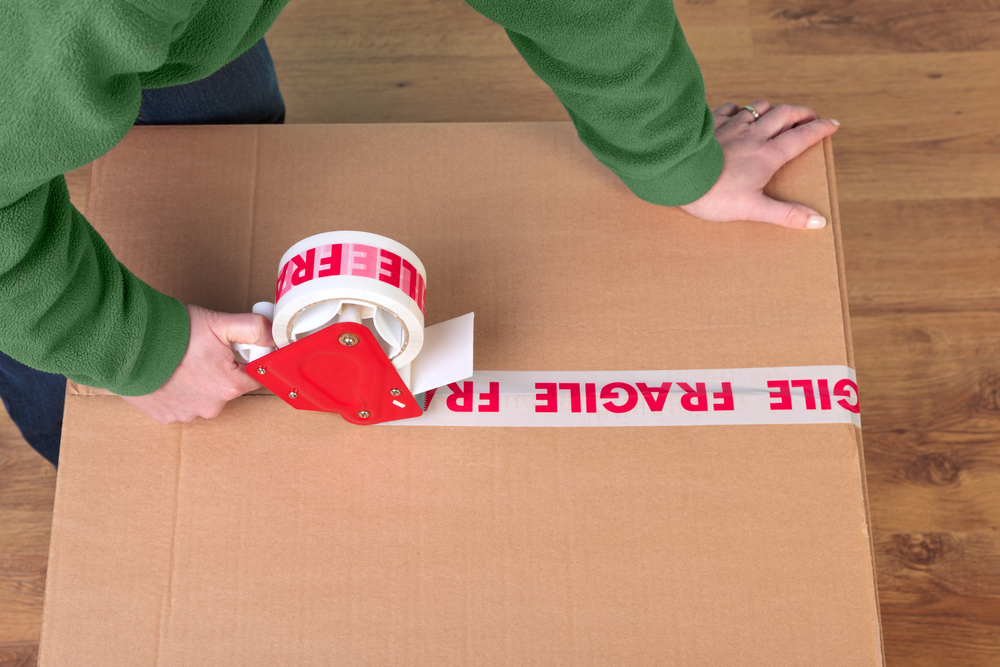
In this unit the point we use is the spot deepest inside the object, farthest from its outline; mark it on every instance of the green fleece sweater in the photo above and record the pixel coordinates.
(71, 75)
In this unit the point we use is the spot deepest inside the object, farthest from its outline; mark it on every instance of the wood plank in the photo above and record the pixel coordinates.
(716, 29)
(922, 256)
(22, 585)
(924, 290)
(27, 490)
(930, 392)
(808, 27)
(940, 597)
(935, 372)
(361, 29)
(25, 531)
(914, 126)
(18, 653)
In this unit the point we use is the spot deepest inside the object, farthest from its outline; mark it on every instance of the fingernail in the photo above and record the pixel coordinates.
(835, 122)
(816, 222)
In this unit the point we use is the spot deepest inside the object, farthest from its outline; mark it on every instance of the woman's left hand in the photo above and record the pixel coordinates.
(754, 150)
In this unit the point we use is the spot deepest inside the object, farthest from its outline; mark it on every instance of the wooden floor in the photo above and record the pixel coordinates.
(916, 86)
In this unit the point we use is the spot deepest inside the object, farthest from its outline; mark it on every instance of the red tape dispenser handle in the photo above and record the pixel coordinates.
(339, 369)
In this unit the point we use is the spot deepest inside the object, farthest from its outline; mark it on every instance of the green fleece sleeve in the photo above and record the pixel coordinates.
(625, 74)
(70, 307)
(70, 90)
(71, 80)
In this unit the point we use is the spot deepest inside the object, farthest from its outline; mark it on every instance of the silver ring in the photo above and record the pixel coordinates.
(756, 116)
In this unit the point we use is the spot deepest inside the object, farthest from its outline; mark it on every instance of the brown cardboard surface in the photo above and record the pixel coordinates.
(270, 536)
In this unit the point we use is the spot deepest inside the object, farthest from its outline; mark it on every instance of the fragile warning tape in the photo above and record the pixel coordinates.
(784, 395)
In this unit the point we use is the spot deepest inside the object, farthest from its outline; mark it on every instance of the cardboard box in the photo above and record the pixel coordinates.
(270, 536)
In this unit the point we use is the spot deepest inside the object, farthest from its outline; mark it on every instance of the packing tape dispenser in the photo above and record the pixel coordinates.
(348, 319)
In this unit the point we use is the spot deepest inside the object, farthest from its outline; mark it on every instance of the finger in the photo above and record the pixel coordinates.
(234, 382)
(723, 114)
(760, 106)
(728, 109)
(784, 117)
(242, 383)
(786, 214)
(795, 141)
(244, 328)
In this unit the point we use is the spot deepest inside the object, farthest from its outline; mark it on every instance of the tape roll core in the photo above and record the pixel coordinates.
(292, 337)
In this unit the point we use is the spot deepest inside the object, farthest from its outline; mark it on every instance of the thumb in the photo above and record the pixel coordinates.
(786, 214)
(244, 328)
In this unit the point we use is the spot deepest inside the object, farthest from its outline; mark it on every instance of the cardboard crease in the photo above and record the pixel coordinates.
(253, 219)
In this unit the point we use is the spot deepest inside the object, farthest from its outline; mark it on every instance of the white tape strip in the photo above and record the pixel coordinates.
(787, 395)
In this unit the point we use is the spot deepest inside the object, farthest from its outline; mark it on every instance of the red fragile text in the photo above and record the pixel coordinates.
(463, 399)
(627, 397)
(352, 259)
(619, 397)
(811, 390)
(614, 397)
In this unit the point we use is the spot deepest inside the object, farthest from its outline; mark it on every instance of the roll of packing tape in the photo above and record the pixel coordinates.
(352, 276)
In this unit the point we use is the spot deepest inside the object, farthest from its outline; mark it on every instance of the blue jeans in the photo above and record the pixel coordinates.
(244, 91)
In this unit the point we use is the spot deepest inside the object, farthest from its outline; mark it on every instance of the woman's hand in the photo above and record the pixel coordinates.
(208, 376)
(754, 150)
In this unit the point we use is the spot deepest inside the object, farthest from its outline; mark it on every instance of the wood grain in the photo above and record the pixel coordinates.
(19, 653)
(917, 126)
(22, 583)
(716, 29)
(914, 83)
(939, 256)
(27, 486)
(889, 26)
(940, 597)
(924, 288)
(930, 387)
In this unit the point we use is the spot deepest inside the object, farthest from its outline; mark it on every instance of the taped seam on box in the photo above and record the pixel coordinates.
(715, 397)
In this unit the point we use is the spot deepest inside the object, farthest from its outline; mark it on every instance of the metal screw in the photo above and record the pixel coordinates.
(293, 394)
(364, 414)
(348, 339)
(395, 392)
(261, 370)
